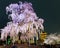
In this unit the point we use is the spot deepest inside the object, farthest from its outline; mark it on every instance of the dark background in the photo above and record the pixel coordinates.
(49, 10)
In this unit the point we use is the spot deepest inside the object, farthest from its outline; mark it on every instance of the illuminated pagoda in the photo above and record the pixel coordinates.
(24, 26)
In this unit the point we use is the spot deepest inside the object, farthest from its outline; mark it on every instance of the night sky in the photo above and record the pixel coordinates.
(49, 10)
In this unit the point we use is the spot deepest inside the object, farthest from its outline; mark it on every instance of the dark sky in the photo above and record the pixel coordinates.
(49, 10)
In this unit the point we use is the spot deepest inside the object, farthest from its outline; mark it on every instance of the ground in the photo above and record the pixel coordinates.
(31, 46)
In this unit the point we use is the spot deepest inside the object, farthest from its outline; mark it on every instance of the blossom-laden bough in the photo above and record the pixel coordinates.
(52, 39)
(24, 20)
